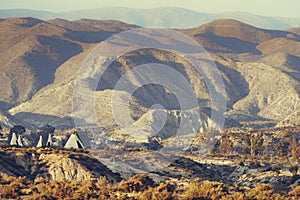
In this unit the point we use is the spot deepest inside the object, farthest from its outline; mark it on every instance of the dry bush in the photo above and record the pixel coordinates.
(164, 191)
(12, 187)
(263, 192)
(234, 196)
(295, 193)
(136, 183)
(204, 189)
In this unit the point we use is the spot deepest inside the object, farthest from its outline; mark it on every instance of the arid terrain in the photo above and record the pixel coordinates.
(244, 165)
(254, 156)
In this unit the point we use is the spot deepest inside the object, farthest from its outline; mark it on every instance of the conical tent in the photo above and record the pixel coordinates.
(74, 142)
(40, 142)
(49, 141)
(13, 141)
(20, 143)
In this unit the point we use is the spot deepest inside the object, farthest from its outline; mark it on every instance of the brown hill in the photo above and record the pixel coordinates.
(231, 36)
(34, 49)
(234, 29)
(31, 57)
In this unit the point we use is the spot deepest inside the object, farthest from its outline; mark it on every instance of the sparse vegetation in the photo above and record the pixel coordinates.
(264, 165)
(270, 145)
(137, 187)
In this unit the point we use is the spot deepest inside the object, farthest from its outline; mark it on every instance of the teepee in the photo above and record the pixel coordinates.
(20, 143)
(74, 142)
(49, 142)
(40, 142)
(14, 140)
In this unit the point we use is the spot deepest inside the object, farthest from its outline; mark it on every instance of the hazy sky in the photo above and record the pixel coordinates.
(286, 8)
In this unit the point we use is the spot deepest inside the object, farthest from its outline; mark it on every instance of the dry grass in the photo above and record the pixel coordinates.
(138, 187)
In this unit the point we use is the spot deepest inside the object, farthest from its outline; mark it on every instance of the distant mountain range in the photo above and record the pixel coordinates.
(165, 17)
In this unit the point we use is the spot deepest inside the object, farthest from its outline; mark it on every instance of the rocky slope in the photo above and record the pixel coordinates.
(257, 59)
(32, 50)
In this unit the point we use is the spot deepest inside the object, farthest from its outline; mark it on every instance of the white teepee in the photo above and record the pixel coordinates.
(49, 141)
(13, 141)
(40, 142)
(20, 143)
(74, 142)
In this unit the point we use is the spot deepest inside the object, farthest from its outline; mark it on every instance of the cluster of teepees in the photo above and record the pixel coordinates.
(16, 135)
(16, 140)
(48, 143)
(73, 141)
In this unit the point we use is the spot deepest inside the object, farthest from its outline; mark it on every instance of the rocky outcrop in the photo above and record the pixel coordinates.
(53, 164)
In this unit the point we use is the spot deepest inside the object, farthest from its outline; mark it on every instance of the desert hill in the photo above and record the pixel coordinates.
(33, 50)
(234, 29)
(257, 57)
(231, 36)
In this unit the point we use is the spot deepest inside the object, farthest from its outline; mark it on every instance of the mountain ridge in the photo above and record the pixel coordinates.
(168, 17)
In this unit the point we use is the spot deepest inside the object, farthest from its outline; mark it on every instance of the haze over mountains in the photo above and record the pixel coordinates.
(165, 17)
(40, 60)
